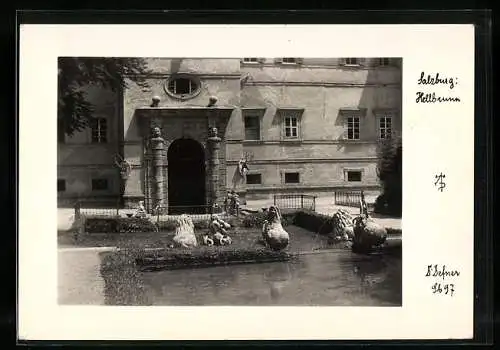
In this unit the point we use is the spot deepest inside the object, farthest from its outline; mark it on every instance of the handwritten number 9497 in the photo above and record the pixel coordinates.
(446, 289)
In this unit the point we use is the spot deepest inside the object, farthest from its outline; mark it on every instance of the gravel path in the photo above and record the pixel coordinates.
(79, 277)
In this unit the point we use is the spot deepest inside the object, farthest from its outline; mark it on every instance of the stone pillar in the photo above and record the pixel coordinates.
(157, 146)
(214, 146)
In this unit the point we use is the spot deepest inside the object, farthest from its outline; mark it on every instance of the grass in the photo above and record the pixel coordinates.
(150, 250)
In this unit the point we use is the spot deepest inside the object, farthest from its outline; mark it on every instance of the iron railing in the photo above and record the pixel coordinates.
(348, 198)
(295, 201)
(89, 208)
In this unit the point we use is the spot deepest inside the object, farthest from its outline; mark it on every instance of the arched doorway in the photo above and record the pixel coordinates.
(186, 177)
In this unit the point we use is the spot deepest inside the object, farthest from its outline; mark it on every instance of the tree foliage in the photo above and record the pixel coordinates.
(74, 110)
(390, 174)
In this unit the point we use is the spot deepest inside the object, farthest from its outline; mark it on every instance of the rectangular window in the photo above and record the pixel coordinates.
(61, 185)
(291, 125)
(289, 60)
(292, 178)
(385, 127)
(384, 61)
(252, 128)
(61, 136)
(99, 184)
(254, 179)
(354, 176)
(353, 128)
(250, 60)
(351, 61)
(99, 130)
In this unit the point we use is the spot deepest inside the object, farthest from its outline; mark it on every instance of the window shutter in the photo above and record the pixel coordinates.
(342, 61)
(299, 60)
(261, 60)
(278, 60)
(362, 61)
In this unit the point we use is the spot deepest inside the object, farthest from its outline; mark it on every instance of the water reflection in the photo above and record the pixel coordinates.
(340, 278)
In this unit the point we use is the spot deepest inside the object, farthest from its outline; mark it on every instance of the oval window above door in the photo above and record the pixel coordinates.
(183, 87)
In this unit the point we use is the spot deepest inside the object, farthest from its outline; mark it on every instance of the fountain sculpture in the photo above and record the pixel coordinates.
(273, 232)
(184, 232)
(218, 232)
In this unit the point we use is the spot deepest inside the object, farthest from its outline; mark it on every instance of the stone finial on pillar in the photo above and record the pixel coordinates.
(157, 146)
(214, 146)
(155, 101)
(212, 101)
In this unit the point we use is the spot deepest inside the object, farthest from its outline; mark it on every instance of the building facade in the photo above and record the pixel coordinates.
(304, 125)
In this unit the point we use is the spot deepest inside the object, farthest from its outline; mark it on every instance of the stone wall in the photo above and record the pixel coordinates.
(320, 87)
(79, 160)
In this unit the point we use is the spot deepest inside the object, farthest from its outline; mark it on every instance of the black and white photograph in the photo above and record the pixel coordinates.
(253, 181)
(246, 182)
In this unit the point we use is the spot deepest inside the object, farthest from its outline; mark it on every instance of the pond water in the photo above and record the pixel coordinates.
(338, 278)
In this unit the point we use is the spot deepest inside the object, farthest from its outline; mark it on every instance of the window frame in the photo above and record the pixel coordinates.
(258, 127)
(355, 118)
(101, 135)
(393, 114)
(186, 96)
(285, 60)
(106, 181)
(290, 172)
(382, 63)
(347, 113)
(254, 173)
(256, 112)
(251, 60)
(350, 64)
(291, 127)
(361, 171)
(385, 117)
(284, 114)
(63, 182)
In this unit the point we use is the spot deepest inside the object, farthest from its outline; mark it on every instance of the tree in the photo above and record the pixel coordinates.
(390, 174)
(75, 73)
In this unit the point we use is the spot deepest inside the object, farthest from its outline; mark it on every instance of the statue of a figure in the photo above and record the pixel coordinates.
(156, 132)
(218, 232)
(232, 203)
(124, 167)
(214, 132)
(140, 211)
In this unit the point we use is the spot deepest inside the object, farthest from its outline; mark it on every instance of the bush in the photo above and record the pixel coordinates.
(390, 174)
(256, 220)
(118, 225)
(314, 222)
(198, 258)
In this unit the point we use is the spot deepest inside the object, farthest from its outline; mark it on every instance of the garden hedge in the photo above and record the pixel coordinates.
(118, 225)
(173, 259)
(314, 222)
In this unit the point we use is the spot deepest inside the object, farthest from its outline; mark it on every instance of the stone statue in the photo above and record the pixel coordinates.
(273, 232)
(232, 203)
(140, 212)
(218, 232)
(156, 132)
(184, 232)
(368, 234)
(214, 132)
(124, 167)
(343, 229)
